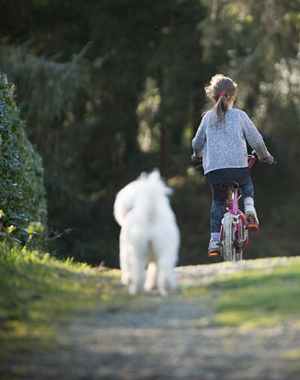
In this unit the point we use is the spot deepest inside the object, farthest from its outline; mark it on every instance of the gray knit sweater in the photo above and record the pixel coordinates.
(223, 145)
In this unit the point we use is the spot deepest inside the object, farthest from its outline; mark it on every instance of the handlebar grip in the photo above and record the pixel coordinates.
(196, 160)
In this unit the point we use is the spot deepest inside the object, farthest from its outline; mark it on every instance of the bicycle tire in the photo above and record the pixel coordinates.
(239, 252)
(228, 248)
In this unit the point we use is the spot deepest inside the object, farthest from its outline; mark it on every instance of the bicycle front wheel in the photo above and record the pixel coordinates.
(228, 248)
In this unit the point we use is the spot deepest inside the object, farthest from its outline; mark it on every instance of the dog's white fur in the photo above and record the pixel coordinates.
(149, 234)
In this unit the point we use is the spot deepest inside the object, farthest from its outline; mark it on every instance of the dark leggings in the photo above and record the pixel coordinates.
(219, 201)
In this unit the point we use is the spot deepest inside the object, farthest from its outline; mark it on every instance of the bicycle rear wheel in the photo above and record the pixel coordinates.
(228, 248)
(241, 238)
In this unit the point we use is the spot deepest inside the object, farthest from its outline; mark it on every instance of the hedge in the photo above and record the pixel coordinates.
(22, 191)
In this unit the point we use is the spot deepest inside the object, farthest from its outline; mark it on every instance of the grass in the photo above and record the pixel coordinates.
(37, 291)
(40, 294)
(260, 296)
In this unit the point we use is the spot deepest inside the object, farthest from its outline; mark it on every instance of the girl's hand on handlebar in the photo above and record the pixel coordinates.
(195, 159)
(269, 160)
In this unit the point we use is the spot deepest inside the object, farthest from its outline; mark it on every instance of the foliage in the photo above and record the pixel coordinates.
(260, 54)
(22, 193)
(53, 83)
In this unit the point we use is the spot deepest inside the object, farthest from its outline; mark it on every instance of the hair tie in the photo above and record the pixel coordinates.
(222, 94)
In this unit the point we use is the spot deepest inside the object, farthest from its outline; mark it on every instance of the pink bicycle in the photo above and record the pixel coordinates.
(235, 227)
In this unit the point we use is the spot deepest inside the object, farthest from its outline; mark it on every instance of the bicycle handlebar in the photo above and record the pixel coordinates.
(251, 158)
(269, 160)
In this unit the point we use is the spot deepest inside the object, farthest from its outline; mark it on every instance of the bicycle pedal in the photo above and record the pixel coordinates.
(253, 227)
(214, 257)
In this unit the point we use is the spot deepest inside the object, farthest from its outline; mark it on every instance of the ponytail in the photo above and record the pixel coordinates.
(222, 105)
(221, 89)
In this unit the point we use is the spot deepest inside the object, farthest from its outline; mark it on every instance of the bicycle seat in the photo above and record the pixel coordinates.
(224, 186)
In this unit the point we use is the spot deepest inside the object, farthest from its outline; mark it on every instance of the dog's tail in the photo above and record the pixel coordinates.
(153, 194)
(146, 193)
(124, 203)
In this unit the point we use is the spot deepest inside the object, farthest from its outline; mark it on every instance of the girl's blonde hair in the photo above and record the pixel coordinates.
(220, 90)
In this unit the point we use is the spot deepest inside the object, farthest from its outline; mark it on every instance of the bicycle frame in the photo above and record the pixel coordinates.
(235, 220)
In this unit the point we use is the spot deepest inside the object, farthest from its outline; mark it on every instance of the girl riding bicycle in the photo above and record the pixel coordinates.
(221, 142)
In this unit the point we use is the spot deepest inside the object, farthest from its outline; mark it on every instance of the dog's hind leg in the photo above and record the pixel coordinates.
(125, 272)
(151, 277)
(137, 269)
(166, 278)
(124, 264)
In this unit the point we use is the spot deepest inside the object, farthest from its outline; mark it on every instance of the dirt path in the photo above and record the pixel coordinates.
(165, 339)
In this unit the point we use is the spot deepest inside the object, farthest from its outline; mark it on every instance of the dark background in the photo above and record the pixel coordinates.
(114, 87)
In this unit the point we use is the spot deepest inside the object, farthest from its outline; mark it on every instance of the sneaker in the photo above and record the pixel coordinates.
(252, 220)
(214, 251)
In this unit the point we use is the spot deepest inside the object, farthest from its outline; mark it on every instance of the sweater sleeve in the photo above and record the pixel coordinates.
(254, 138)
(198, 141)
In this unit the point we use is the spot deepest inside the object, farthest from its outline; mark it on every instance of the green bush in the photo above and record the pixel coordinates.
(22, 192)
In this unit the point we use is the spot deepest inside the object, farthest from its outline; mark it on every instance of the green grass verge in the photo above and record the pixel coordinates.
(39, 294)
(37, 291)
(260, 296)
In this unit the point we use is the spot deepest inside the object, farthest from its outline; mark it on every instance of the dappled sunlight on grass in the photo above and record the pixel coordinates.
(258, 296)
(195, 291)
(39, 293)
(247, 294)
(43, 299)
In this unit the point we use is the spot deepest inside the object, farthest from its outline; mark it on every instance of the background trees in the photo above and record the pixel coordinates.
(111, 88)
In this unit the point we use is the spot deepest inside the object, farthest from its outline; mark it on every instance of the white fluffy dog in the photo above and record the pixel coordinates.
(149, 235)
